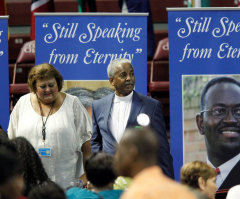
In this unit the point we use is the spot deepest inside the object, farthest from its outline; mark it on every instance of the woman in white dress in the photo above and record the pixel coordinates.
(55, 123)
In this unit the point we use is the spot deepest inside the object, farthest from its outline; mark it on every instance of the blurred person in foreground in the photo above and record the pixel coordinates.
(48, 190)
(112, 114)
(3, 134)
(136, 157)
(11, 175)
(219, 122)
(55, 123)
(33, 172)
(234, 192)
(101, 175)
(201, 176)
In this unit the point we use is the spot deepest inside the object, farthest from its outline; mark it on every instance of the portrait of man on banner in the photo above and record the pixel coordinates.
(217, 125)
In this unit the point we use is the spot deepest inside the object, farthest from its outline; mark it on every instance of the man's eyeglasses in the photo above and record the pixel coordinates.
(221, 112)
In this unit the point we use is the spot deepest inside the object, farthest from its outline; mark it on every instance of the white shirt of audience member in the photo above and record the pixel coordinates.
(234, 192)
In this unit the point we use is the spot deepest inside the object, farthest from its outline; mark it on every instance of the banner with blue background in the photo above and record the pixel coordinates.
(203, 44)
(81, 46)
(4, 86)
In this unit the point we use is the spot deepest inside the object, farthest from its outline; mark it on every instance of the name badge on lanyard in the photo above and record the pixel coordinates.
(45, 152)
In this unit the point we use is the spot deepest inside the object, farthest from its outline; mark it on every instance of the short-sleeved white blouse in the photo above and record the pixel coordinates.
(66, 131)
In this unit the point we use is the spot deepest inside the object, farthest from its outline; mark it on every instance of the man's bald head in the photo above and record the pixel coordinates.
(137, 148)
(145, 141)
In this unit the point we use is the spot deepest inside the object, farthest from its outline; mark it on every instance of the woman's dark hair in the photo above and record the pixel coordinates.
(34, 172)
(48, 190)
(42, 71)
(9, 165)
(100, 170)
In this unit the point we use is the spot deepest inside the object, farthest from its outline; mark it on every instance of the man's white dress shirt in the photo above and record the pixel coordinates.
(119, 115)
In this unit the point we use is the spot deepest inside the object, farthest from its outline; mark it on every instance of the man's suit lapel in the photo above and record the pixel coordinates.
(135, 109)
(233, 178)
(107, 110)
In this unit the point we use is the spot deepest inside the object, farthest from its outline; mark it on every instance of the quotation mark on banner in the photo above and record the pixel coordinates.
(138, 50)
(45, 25)
(178, 19)
(1, 53)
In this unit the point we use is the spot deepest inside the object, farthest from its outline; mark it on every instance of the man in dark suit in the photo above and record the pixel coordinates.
(219, 122)
(114, 113)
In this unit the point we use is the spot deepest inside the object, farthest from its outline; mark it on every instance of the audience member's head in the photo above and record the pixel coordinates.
(11, 178)
(34, 173)
(100, 170)
(48, 190)
(8, 144)
(137, 150)
(43, 71)
(199, 175)
(121, 76)
(234, 192)
(112, 66)
(3, 134)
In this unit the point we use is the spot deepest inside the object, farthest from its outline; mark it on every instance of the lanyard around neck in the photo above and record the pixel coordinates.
(44, 123)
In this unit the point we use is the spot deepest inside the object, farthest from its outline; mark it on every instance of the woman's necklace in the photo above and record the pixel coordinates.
(44, 123)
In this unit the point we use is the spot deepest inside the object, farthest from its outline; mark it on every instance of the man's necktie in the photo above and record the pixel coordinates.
(217, 171)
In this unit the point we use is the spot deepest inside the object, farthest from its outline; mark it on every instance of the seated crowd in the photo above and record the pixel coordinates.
(23, 175)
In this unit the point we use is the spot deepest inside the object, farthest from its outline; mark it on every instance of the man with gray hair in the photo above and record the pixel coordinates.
(114, 113)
